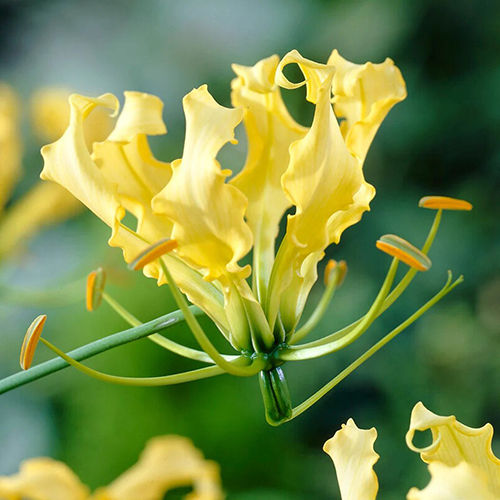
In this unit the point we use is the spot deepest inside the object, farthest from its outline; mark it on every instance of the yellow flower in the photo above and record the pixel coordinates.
(44, 203)
(460, 459)
(213, 223)
(167, 462)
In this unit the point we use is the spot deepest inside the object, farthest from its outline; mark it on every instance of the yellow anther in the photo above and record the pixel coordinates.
(31, 340)
(95, 287)
(400, 249)
(152, 253)
(341, 271)
(444, 203)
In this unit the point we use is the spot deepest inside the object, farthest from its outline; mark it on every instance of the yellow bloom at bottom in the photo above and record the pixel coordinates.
(460, 459)
(167, 462)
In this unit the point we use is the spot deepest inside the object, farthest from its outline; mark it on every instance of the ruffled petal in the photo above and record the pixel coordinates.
(363, 95)
(454, 442)
(46, 203)
(323, 177)
(43, 479)
(461, 482)
(351, 450)
(207, 213)
(50, 114)
(167, 462)
(122, 174)
(270, 130)
(10, 142)
(67, 162)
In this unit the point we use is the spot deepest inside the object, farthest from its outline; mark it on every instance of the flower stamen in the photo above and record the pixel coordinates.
(31, 341)
(444, 203)
(405, 252)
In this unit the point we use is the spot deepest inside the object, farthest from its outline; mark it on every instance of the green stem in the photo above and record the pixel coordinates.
(177, 378)
(296, 353)
(92, 349)
(390, 299)
(370, 352)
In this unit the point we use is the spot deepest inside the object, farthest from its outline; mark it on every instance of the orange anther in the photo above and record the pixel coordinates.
(31, 340)
(95, 286)
(152, 253)
(400, 249)
(444, 203)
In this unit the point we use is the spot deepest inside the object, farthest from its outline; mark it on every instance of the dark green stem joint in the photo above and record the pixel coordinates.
(276, 396)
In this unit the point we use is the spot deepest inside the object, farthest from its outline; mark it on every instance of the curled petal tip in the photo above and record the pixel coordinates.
(152, 253)
(444, 203)
(31, 340)
(405, 252)
(95, 287)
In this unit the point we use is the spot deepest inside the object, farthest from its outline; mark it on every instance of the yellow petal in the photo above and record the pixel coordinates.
(124, 175)
(351, 450)
(46, 203)
(207, 213)
(454, 442)
(323, 178)
(10, 143)
(167, 462)
(50, 114)
(363, 95)
(68, 162)
(270, 130)
(43, 479)
(461, 482)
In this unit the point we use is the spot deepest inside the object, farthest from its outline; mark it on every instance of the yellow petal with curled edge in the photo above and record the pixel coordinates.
(10, 142)
(167, 462)
(68, 162)
(323, 178)
(351, 450)
(270, 131)
(363, 95)
(108, 185)
(43, 479)
(207, 213)
(461, 482)
(50, 113)
(454, 442)
(46, 203)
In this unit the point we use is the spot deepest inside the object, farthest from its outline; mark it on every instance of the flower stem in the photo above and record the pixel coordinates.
(94, 348)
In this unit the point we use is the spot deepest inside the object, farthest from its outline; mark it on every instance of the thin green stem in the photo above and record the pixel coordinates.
(160, 340)
(320, 309)
(92, 349)
(296, 353)
(370, 352)
(390, 299)
(177, 378)
(201, 337)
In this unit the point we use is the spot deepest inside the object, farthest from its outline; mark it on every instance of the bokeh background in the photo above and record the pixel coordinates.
(442, 140)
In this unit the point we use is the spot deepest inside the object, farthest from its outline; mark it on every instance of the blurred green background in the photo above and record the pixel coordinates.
(442, 140)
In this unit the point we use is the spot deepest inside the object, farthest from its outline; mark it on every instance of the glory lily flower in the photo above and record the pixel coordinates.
(47, 202)
(167, 462)
(460, 459)
(195, 223)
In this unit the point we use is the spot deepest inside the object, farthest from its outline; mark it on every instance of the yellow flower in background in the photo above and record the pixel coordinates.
(167, 462)
(193, 224)
(460, 459)
(45, 203)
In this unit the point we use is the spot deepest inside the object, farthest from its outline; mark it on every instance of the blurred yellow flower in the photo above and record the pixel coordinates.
(167, 462)
(213, 223)
(45, 203)
(461, 462)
